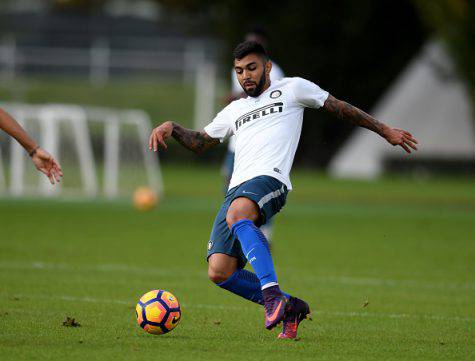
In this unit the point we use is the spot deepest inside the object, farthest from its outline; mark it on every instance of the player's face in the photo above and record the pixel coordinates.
(253, 74)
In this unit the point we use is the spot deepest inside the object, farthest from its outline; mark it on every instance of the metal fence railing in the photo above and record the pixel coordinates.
(100, 61)
(189, 61)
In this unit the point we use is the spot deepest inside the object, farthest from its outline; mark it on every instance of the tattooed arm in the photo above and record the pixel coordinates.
(348, 112)
(193, 140)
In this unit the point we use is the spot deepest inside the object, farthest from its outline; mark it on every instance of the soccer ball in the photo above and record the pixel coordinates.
(158, 312)
(145, 199)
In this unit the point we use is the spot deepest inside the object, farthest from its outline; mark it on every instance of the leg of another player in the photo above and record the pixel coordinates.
(267, 232)
(241, 217)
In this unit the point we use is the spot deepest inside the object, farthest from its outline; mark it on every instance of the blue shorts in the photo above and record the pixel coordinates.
(267, 192)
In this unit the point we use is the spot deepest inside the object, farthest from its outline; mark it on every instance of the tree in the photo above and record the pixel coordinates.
(454, 22)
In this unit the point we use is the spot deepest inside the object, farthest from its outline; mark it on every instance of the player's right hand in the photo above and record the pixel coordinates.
(159, 134)
(46, 164)
(400, 137)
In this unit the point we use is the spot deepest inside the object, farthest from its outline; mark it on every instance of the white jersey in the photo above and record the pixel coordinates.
(267, 128)
(276, 73)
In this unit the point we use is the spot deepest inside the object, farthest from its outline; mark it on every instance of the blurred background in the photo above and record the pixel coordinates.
(409, 63)
(380, 243)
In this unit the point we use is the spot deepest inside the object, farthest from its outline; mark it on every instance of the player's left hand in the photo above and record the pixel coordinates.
(400, 137)
(159, 134)
(46, 164)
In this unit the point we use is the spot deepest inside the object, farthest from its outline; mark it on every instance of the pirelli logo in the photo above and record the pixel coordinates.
(259, 113)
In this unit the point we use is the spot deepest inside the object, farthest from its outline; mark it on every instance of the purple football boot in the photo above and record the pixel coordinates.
(275, 304)
(297, 311)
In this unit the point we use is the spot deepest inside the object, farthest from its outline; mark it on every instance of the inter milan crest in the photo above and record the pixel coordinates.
(275, 94)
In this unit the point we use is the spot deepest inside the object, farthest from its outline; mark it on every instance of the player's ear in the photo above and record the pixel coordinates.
(268, 66)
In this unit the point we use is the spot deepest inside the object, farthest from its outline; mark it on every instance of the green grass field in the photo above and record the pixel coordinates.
(404, 248)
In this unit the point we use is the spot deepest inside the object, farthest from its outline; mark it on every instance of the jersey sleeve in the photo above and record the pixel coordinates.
(308, 94)
(221, 126)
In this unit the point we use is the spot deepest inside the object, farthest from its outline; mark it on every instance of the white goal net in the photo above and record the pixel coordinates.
(103, 152)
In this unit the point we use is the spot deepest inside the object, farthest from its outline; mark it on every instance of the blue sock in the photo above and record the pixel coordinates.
(245, 284)
(256, 249)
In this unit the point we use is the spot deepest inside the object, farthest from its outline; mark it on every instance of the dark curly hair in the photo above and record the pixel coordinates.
(249, 47)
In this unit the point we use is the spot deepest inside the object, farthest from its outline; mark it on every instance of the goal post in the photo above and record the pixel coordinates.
(103, 151)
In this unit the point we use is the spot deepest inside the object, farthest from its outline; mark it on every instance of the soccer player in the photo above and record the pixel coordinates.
(267, 126)
(42, 160)
(259, 35)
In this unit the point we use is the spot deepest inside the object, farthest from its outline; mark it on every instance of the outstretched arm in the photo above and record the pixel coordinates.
(193, 140)
(348, 112)
(42, 160)
(11, 127)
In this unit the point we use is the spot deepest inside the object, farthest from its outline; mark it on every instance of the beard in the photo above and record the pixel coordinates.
(258, 89)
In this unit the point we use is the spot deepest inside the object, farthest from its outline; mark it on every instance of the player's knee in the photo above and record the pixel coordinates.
(242, 208)
(221, 267)
(217, 276)
(233, 217)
